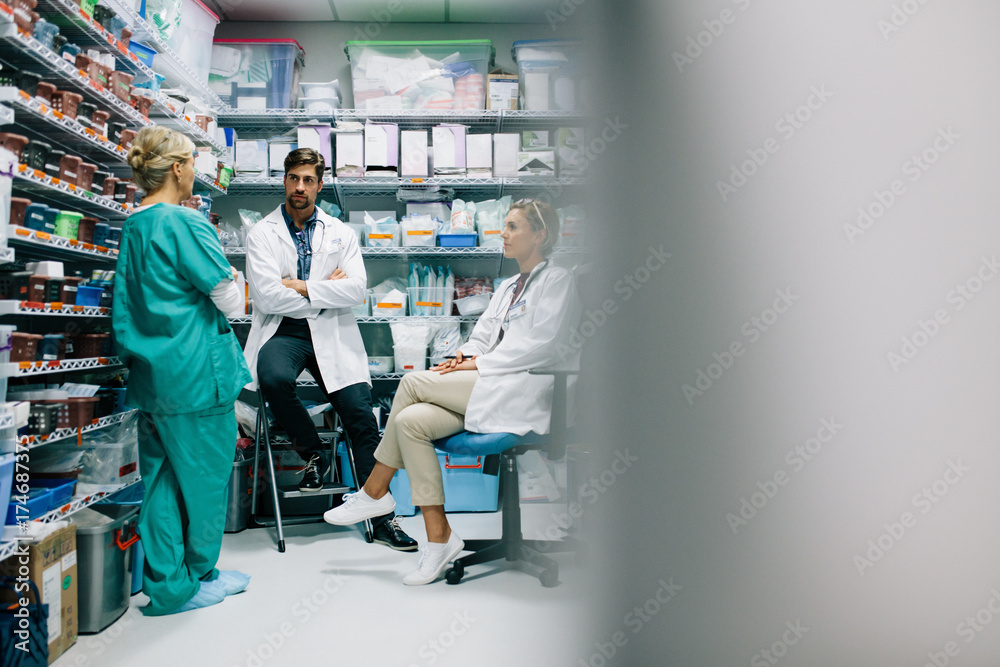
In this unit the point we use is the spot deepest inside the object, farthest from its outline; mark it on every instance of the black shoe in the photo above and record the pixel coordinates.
(314, 473)
(391, 535)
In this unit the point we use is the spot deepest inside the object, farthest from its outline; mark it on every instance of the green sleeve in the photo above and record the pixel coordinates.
(199, 254)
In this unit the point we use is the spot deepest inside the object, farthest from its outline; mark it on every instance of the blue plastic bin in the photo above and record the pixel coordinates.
(142, 52)
(467, 486)
(62, 490)
(101, 233)
(88, 296)
(38, 504)
(457, 240)
(6, 480)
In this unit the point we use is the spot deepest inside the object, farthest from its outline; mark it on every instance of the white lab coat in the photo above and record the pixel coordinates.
(271, 257)
(506, 398)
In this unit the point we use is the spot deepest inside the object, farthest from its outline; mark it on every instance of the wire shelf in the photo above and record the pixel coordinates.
(13, 307)
(33, 368)
(38, 182)
(25, 52)
(516, 120)
(56, 247)
(166, 113)
(81, 29)
(34, 114)
(63, 433)
(411, 252)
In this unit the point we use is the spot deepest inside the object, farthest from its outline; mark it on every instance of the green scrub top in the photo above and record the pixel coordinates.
(181, 352)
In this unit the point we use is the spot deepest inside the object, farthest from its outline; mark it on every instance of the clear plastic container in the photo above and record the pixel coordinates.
(257, 73)
(408, 360)
(447, 74)
(192, 41)
(428, 301)
(548, 74)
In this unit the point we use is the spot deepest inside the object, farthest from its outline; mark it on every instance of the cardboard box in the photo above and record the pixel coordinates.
(251, 156)
(381, 150)
(316, 137)
(479, 155)
(206, 162)
(502, 91)
(449, 149)
(413, 154)
(532, 139)
(277, 151)
(505, 150)
(51, 563)
(570, 156)
(536, 163)
(350, 154)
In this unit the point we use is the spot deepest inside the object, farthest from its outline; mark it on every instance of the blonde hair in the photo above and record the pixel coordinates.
(153, 154)
(540, 216)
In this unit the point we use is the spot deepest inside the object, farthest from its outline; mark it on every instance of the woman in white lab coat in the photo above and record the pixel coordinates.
(485, 389)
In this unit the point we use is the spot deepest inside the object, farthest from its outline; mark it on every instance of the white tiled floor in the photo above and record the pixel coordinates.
(332, 599)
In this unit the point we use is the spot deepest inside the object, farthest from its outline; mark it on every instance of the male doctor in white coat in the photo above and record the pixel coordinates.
(305, 273)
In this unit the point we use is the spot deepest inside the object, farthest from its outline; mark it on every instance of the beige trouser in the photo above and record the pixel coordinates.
(427, 406)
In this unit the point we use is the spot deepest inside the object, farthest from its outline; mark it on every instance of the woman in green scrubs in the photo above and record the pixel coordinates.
(172, 288)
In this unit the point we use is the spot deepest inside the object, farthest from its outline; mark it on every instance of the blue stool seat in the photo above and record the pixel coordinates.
(484, 444)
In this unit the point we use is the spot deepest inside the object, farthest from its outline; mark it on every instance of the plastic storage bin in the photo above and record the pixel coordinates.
(85, 177)
(105, 535)
(428, 301)
(6, 482)
(44, 32)
(471, 484)
(67, 224)
(66, 102)
(192, 40)
(37, 505)
(392, 84)
(143, 52)
(457, 240)
(548, 73)
(18, 206)
(69, 169)
(15, 143)
(257, 73)
(25, 346)
(61, 490)
(121, 85)
(44, 91)
(88, 296)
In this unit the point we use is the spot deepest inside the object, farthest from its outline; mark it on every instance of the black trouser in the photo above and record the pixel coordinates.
(280, 362)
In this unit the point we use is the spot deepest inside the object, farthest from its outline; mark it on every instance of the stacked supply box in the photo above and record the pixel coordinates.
(52, 566)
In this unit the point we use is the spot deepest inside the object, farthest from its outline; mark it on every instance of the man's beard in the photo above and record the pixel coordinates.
(292, 203)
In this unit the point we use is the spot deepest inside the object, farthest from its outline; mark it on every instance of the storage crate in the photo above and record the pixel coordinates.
(457, 240)
(192, 40)
(143, 52)
(88, 296)
(548, 73)
(471, 484)
(89, 346)
(43, 419)
(37, 505)
(25, 346)
(61, 490)
(257, 73)
(447, 74)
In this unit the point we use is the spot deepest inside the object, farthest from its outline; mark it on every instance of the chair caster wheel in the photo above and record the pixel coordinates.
(549, 578)
(455, 574)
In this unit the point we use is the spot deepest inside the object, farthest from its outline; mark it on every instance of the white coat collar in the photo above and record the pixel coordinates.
(278, 227)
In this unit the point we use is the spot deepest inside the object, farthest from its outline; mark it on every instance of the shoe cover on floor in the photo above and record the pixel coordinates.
(209, 593)
(234, 581)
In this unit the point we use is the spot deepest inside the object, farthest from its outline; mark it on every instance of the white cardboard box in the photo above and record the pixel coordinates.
(536, 163)
(413, 154)
(479, 155)
(251, 156)
(316, 137)
(350, 154)
(277, 151)
(449, 149)
(381, 149)
(505, 150)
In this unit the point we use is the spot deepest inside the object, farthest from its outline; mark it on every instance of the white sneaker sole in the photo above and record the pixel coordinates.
(451, 556)
(333, 518)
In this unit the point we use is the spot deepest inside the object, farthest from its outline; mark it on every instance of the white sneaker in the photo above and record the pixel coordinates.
(434, 558)
(357, 507)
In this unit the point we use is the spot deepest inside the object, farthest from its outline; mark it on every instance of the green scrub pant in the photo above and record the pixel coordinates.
(185, 461)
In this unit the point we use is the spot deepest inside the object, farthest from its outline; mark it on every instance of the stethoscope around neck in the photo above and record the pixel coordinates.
(510, 288)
